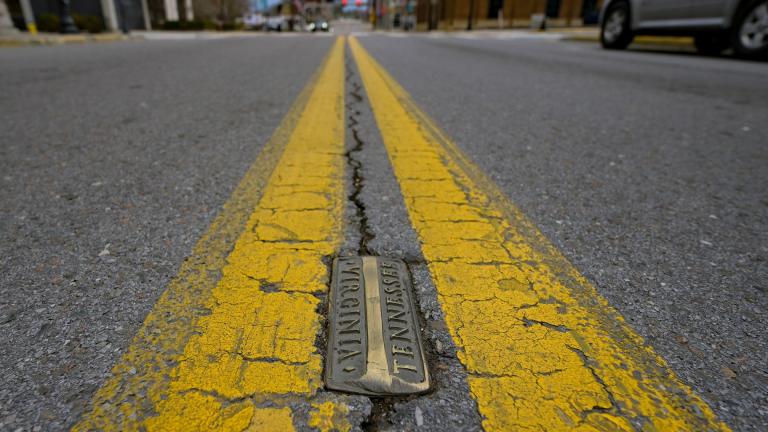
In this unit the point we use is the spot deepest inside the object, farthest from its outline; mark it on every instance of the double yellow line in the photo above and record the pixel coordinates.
(231, 343)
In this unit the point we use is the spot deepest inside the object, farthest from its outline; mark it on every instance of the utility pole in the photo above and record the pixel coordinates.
(189, 13)
(430, 8)
(145, 12)
(29, 16)
(110, 15)
(372, 14)
(471, 16)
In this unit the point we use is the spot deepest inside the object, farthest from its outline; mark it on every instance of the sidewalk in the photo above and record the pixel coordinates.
(578, 34)
(25, 39)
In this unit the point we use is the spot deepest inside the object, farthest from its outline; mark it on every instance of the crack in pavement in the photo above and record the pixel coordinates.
(379, 406)
(449, 405)
(357, 176)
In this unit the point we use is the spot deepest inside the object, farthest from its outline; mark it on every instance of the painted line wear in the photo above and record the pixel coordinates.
(230, 345)
(251, 353)
(543, 350)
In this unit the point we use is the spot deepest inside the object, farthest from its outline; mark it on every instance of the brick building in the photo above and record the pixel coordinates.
(455, 14)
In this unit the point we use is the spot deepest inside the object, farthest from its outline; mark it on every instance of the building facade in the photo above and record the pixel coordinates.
(90, 15)
(479, 14)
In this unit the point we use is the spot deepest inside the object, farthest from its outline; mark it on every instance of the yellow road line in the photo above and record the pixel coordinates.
(230, 344)
(542, 349)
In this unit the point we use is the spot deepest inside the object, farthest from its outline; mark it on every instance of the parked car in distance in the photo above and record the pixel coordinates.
(276, 23)
(714, 24)
(318, 25)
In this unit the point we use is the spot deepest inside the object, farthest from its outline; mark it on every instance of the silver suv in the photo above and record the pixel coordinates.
(714, 24)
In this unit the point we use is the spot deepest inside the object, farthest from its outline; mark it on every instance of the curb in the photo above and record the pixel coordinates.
(639, 40)
(24, 40)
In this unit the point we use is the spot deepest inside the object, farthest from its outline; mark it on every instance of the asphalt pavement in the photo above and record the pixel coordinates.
(115, 159)
(646, 169)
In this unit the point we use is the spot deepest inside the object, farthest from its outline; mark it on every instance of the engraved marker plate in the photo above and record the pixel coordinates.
(374, 341)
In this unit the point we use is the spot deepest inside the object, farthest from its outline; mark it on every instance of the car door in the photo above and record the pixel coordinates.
(662, 13)
(709, 12)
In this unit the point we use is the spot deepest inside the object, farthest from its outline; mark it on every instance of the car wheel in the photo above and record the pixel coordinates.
(615, 31)
(711, 44)
(749, 35)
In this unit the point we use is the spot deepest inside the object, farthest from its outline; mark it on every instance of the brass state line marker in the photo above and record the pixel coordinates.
(374, 344)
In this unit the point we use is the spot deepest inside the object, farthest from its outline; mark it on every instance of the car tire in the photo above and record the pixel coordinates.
(615, 30)
(711, 44)
(749, 34)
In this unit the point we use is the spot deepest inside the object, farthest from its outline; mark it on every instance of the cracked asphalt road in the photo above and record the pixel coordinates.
(115, 159)
(647, 170)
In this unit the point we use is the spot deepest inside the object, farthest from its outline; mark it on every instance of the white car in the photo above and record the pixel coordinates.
(276, 23)
(715, 24)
